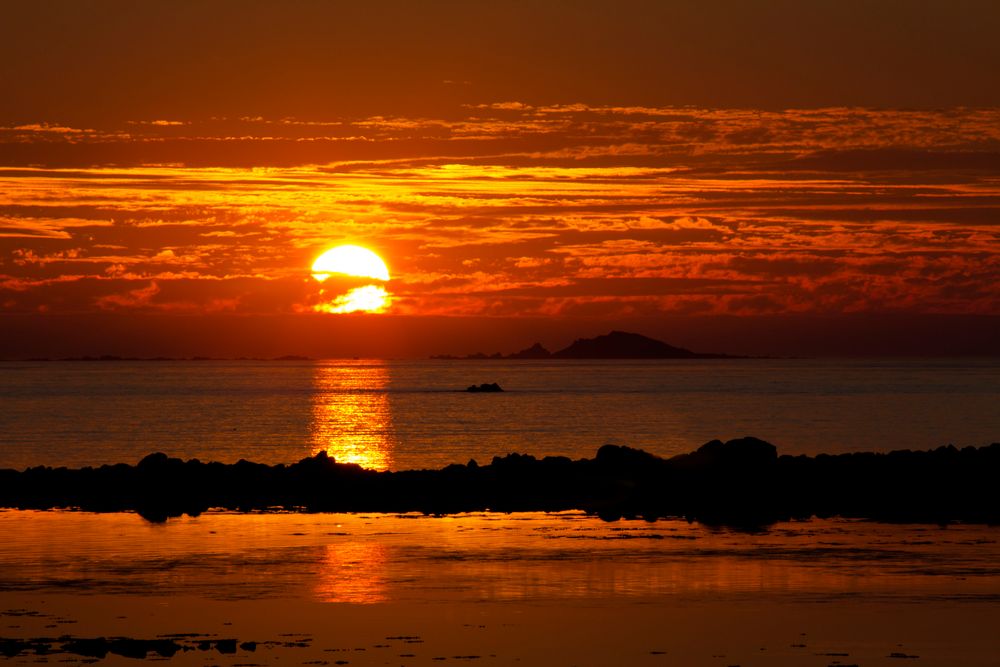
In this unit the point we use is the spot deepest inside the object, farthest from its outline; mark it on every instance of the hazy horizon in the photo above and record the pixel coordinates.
(386, 336)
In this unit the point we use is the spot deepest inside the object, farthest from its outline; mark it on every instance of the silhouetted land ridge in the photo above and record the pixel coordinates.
(740, 482)
(114, 357)
(613, 345)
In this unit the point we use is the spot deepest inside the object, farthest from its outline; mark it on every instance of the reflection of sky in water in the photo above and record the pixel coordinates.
(352, 572)
(373, 558)
(350, 414)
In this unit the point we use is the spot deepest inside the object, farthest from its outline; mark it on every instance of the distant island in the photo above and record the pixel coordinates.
(114, 357)
(613, 345)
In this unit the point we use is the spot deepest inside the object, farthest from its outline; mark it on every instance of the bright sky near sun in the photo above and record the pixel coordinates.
(644, 159)
(354, 262)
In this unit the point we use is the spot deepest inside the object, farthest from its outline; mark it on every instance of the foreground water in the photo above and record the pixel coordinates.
(368, 558)
(413, 414)
(527, 589)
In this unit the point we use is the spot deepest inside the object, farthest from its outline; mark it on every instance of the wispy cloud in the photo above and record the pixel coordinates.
(513, 209)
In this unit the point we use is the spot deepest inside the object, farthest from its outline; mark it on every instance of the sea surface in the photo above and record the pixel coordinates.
(545, 589)
(415, 414)
(495, 589)
(537, 556)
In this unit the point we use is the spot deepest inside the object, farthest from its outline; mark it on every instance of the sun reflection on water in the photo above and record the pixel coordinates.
(353, 572)
(351, 420)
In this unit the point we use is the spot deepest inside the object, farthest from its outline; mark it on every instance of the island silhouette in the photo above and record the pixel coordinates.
(741, 483)
(612, 345)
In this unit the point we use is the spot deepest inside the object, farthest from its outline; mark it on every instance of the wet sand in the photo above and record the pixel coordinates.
(636, 632)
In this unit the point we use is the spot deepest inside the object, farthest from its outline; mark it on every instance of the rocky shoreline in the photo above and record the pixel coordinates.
(741, 483)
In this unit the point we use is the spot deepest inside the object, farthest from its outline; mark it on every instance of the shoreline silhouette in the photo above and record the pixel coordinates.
(739, 483)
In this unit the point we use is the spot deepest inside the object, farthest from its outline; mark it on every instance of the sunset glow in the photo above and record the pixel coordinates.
(549, 235)
(494, 194)
(356, 262)
(368, 299)
(350, 260)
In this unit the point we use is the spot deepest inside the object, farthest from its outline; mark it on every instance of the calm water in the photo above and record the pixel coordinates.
(522, 589)
(533, 556)
(412, 414)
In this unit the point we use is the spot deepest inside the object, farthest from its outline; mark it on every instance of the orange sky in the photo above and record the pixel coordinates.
(559, 165)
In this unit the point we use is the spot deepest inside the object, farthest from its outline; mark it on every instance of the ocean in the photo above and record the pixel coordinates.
(493, 589)
(415, 414)
(544, 589)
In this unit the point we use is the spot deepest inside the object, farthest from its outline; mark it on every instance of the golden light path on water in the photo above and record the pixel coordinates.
(353, 572)
(373, 557)
(351, 420)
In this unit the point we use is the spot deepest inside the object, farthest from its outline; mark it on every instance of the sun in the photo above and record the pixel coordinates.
(350, 260)
(356, 262)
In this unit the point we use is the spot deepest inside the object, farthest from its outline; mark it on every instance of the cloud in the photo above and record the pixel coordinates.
(513, 208)
(530, 262)
(136, 298)
(47, 128)
(51, 227)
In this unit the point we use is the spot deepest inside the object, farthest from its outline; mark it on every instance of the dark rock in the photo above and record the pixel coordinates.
(741, 483)
(225, 646)
(155, 460)
(130, 648)
(89, 648)
(741, 453)
(618, 456)
(484, 388)
(10, 648)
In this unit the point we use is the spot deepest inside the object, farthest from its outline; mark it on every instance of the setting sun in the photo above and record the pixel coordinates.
(367, 299)
(350, 260)
(355, 262)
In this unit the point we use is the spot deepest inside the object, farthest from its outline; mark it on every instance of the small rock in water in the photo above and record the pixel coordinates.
(484, 387)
